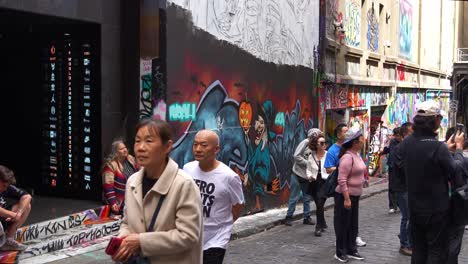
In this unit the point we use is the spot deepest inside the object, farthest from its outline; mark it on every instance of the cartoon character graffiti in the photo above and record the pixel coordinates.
(258, 171)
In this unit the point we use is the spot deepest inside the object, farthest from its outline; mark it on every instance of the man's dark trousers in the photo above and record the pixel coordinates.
(430, 237)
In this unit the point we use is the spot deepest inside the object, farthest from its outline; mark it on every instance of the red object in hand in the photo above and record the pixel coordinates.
(113, 245)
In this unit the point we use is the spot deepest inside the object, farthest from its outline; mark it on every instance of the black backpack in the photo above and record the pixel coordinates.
(331, 182)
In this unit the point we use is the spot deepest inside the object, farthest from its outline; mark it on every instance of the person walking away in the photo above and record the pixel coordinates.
(221, 195)
(12, 215)
(332, 160)
(401, 194)
(429, 167)
(347, 194)
(389, 152)
(172, 234)
(301, 155)
(317, 172)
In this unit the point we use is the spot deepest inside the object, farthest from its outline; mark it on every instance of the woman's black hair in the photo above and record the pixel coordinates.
(159, 127)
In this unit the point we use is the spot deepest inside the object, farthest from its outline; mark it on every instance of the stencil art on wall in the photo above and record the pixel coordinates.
(352, 23)
(372, 30)
(278, 31)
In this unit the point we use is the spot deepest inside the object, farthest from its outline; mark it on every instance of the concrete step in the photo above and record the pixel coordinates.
(96, 245)
(73, 237)
(78, 230)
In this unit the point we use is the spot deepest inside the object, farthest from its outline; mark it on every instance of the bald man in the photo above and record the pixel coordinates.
(221, 195)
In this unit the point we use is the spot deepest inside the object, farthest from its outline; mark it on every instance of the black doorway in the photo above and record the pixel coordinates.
(43, 64)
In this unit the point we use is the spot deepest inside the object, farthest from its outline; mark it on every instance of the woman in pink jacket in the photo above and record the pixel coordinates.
(349, 189)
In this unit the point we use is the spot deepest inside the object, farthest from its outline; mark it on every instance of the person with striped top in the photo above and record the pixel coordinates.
(119, 166)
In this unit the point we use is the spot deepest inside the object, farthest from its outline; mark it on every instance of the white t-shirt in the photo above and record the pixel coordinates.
(220, 189)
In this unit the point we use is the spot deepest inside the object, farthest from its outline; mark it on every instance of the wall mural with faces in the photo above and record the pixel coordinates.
(278, 31)
(261, 111)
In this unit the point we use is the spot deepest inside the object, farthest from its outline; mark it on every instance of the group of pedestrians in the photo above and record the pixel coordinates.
(172, 215)
(312, 166)
(423, 174)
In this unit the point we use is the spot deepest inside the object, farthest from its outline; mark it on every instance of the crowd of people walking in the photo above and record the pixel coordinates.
(173, 215)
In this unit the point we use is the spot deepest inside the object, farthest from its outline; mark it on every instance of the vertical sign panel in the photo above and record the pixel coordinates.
(87, 130)
(53, 120)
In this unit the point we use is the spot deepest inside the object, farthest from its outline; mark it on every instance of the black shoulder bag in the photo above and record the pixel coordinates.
(138, 259)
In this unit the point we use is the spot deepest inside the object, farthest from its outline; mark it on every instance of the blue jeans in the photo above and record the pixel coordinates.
(402, 201)
(294, 196)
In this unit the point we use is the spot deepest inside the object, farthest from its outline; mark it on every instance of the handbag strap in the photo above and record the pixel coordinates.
(156, 212)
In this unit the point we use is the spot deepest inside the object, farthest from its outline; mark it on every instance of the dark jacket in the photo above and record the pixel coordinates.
(390, 151)
(428, 166)
(397, 171)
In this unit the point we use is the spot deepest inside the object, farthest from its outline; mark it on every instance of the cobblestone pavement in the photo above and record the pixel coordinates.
(297, 244)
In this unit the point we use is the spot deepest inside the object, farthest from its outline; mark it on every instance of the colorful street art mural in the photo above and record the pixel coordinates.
(152, 89)
(406, 29)
(402, 107)
(278, 31)
(372, 30)
(348, 96)
(260, 110)
(443, 97)
(352, 23)
(378, 139)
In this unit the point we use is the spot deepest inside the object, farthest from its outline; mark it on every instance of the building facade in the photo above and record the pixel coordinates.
(381, 58)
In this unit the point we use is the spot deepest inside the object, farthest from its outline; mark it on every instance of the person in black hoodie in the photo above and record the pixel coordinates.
(398, 185)
(429, 166)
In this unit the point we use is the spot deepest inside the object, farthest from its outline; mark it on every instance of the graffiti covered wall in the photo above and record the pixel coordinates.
(402, 107)
(279, 31)
(352, 23)
(443, 98)
(260, 110)
(406, 29)
(372, 29)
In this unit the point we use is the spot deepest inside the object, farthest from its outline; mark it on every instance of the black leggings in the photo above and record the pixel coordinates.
(316, 191)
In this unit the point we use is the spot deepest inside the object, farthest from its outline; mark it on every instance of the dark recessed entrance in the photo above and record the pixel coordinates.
(50, 103)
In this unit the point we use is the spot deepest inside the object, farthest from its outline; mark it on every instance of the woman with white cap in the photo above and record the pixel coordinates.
(349, 189)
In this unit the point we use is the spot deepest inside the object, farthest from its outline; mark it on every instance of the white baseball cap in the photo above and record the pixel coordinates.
(428, 108)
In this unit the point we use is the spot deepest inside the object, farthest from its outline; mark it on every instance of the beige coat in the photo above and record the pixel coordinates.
(177, 236)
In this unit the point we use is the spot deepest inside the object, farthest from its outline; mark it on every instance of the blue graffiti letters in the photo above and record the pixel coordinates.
(182, 112)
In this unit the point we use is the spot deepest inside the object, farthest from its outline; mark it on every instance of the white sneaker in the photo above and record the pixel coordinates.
(391, 211)
(11, 244)
(360, 242)
(466, 227)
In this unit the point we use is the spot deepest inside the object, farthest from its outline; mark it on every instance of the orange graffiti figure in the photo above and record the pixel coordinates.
(245, 114)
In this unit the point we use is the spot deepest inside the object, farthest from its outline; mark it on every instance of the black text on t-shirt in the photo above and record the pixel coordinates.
(206, 191)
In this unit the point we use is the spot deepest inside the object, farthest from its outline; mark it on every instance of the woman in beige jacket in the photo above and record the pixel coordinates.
(177, 233)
